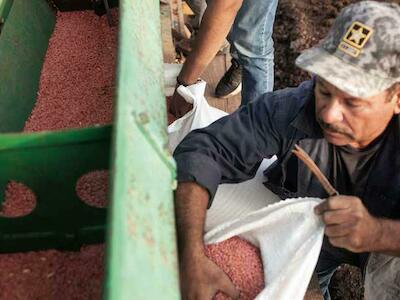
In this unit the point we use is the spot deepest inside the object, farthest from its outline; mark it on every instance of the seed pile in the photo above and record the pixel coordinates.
(76, 90)
(241, 261)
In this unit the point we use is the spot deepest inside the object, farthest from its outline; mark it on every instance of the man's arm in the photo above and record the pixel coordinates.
(229, 150)
(349, 225)
(217, 21)
(200, 278)
(390, 239)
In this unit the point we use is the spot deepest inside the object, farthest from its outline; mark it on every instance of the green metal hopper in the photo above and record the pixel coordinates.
(142, 261)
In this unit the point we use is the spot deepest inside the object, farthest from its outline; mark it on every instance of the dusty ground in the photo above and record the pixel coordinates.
(299, 25)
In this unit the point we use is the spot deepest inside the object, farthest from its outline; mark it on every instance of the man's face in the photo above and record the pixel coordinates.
(346, 120)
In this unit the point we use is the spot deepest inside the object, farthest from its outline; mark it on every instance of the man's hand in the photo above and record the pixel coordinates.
(201, 279)
(178, 106)
(349, 225)
(215, 25)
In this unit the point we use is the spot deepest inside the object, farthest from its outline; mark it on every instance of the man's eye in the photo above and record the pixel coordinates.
(354, 104)
(324, 93)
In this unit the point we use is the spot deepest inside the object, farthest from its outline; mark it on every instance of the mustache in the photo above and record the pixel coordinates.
(335, 129)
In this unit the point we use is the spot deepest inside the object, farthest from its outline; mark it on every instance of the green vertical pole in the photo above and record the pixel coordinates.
(141, 260)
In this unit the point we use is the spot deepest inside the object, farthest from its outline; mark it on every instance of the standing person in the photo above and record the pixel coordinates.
(198, 7)
(347, 120)
(251, 40)
(231, 83)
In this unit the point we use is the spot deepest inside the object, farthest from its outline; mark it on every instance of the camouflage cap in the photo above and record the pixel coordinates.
(361, 53)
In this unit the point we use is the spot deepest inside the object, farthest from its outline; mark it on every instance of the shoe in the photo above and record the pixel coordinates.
(231, 83)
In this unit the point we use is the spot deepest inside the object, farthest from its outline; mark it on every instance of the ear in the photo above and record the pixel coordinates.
(396, 96)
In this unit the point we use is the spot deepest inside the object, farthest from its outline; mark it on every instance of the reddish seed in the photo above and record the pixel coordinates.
(241, 261)
(92, 188)
(19, 200)
(76, 90)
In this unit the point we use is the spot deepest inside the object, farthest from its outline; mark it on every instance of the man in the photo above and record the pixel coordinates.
(347, 120)
(250, 38)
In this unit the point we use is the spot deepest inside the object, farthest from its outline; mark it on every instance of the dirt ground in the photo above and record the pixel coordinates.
(300, 24)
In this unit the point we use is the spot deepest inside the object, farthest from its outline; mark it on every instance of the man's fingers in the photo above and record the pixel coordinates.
(322, 207)
(335, 217)
(178, 105)
(180, 109)
(351, 243)
(334, 203)
(334, 231)
(340, 242)
(226, 286)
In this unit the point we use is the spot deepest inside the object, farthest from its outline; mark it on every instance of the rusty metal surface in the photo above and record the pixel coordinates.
(142, 260)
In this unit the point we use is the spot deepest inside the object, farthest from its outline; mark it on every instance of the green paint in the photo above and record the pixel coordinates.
(50, 164)
(142, 261)
(23, 44)
(142, 256)
(5, 6)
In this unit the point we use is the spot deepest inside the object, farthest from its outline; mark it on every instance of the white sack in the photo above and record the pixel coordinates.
(289, 236)
(288, 232)
(200, 116)
(228, 202)
(171, 71)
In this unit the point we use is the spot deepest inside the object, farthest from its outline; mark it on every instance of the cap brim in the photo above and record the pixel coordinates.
(345, 76)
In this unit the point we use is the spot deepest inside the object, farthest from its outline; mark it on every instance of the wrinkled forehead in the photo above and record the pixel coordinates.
(324, 85)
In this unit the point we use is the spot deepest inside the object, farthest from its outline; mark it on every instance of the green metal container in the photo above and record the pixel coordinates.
(49, 163)
(142, 248)
(141, 260)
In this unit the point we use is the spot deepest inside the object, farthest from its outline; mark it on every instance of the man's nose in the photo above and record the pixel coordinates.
(331, 112)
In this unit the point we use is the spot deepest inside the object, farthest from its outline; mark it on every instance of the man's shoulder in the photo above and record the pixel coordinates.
(285, 105)
(294, 96)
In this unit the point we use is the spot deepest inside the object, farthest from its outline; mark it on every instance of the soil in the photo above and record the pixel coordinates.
(299, 25)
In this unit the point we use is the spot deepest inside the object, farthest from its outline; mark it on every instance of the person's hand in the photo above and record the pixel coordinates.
(349, 225)
(178, 105)
(201, 279)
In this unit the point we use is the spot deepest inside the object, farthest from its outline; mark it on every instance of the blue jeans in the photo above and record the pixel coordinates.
(252, 45)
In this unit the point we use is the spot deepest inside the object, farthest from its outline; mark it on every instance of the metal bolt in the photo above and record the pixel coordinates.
(144, 118)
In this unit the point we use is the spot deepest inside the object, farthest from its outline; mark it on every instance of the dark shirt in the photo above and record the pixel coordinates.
(351, 167)
(230, 150)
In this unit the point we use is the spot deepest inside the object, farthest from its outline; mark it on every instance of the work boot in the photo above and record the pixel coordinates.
(231, 83)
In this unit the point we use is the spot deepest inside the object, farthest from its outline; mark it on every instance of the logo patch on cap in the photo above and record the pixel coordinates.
(355, 39)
